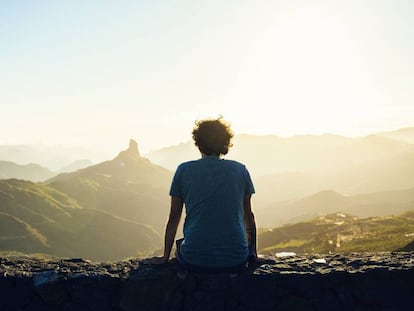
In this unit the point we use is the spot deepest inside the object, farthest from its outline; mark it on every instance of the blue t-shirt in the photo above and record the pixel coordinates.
(213, 191)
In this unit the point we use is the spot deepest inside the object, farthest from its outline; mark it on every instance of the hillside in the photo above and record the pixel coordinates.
(35, 218)
(111, 210)
(340, 232)
(129, 186)
(327, 202)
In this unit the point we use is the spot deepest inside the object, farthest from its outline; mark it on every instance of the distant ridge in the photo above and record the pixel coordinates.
(327, 202)
(35, 172)
(403, 134)
(31, 171)
(74, 166)
(52, 157)
(269, 154)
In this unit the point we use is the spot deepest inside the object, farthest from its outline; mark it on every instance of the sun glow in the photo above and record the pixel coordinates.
(269, 67)
(308, 58)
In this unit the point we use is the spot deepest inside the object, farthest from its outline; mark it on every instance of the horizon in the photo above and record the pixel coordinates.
(144, 152)
(97, 74)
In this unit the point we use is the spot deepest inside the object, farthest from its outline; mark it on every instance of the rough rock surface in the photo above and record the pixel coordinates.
(380, 281)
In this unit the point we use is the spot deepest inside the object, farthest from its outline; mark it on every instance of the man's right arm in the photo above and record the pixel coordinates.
(250, 225)
(170, 231)
(172, 225)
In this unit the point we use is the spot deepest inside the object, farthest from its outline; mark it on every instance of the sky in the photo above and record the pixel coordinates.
(96, 73)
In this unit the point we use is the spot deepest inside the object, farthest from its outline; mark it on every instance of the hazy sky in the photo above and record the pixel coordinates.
(99, 72)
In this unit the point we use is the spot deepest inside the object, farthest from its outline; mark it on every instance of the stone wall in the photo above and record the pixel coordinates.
(383, 281)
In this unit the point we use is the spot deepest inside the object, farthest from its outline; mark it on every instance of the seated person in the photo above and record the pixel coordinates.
(219, 227)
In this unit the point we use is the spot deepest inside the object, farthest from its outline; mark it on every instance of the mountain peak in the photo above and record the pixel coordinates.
(132, 151)
(133, 147)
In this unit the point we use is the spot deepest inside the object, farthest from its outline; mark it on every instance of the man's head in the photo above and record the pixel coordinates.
(213, 136)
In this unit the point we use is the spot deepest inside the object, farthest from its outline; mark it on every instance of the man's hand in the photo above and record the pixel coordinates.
(170, 230)
(154, 261)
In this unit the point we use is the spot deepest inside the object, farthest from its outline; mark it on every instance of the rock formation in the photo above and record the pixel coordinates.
(381, 281)
(132, 150)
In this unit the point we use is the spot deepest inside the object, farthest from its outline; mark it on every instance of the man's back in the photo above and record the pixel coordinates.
(213, 191)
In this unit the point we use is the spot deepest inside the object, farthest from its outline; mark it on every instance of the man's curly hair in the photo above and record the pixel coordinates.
(213, 136)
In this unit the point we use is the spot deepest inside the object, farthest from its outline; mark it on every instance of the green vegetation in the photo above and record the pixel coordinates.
(35, 218)
(341, 233)
(108, 211)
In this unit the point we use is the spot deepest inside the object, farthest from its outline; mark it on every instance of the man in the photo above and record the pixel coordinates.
(219, 228)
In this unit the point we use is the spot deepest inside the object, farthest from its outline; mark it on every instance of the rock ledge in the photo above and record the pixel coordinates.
(371, 281)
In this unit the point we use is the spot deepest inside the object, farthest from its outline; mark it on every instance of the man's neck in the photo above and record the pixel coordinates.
(203, 155)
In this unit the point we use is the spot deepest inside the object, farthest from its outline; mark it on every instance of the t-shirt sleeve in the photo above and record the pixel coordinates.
(249, 184)
(176, 185)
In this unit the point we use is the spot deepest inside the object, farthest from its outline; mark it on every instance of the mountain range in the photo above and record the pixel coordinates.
(108, 211)
(286, 169)
(269, 154)
(118, 208)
